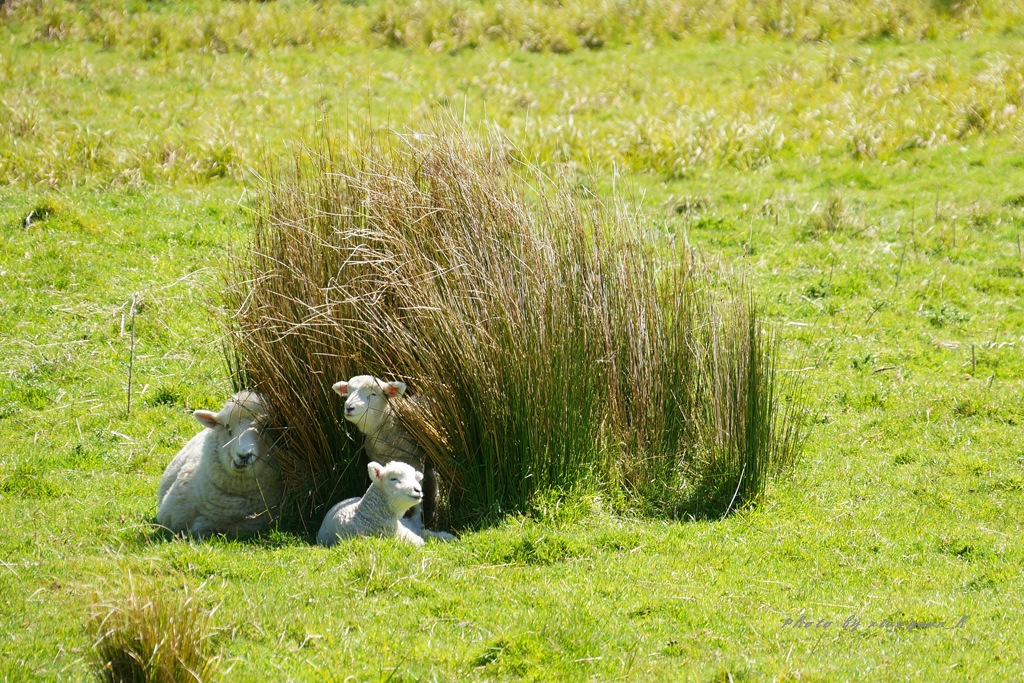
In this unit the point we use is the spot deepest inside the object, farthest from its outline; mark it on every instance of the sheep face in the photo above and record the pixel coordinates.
(366, 400)
(238, 426)
(400, 483)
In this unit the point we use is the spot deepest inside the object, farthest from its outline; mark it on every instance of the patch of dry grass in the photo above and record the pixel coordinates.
(551, 347)
(151, 635)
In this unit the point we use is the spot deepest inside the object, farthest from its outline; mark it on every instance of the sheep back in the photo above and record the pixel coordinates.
(367, 516)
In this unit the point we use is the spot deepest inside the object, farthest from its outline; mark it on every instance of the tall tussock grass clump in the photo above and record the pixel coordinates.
(151, 637)
(549, 344)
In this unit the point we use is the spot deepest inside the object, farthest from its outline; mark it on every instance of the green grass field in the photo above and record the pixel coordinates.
(862, 168)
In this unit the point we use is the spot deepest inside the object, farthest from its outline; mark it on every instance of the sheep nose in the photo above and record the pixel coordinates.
(247, 457)
(349, 410)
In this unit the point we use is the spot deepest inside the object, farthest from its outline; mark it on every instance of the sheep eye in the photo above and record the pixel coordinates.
(394, 478)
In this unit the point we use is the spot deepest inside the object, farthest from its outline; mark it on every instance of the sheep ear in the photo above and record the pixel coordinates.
(393, 389)
(375, 470)
(419, 476)
(207, 418)
(341, 388)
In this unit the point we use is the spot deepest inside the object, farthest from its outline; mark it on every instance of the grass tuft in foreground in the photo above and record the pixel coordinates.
(151, 635)
(550, 347)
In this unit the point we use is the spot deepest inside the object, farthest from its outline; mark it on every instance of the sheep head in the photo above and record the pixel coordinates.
(399, 482)
(239, 427)
(366, 400)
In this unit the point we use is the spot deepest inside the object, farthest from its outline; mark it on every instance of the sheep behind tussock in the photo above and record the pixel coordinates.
(368, 406)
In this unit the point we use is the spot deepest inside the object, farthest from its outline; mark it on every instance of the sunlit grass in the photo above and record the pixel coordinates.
(454, 25)
(76, 110)
(862, 179)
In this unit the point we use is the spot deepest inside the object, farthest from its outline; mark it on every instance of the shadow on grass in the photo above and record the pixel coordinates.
(713, 498)
(150, 534)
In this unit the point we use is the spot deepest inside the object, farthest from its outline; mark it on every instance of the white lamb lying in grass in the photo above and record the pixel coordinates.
(368, 407)
(223, 480)
(394, 489)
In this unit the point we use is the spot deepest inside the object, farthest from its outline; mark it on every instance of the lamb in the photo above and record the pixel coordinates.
(224, 480)
(368, 407)
(394, 489)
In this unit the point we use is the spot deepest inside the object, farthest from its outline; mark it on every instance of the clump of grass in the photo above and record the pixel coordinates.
(551, 347)
(831, 218)
(39, 213)
(151, 636)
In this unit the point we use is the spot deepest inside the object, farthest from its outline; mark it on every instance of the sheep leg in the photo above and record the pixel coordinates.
(252, 525)
(440, 535)
(201, 528)
(414, 518)
(430, 496)
(404, 533)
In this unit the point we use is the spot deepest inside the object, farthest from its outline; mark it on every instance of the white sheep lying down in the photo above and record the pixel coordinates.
(394, 489)
(223, 481)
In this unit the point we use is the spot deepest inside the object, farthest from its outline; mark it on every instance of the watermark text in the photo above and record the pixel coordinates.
(853, 623)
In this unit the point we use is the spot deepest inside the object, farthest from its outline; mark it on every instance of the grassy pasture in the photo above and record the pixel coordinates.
(867, 185)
